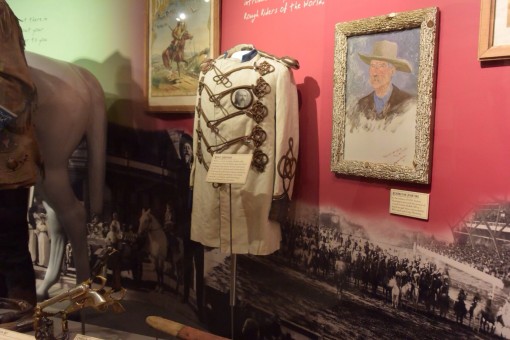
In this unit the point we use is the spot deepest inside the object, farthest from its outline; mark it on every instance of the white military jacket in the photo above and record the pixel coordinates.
(244, 106)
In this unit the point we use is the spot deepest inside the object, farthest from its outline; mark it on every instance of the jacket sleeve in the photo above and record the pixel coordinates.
(286, 135)
(195, 140)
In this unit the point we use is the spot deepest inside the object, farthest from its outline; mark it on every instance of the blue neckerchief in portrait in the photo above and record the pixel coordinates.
(380, 102)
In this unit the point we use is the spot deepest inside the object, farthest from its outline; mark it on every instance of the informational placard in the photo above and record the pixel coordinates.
(409, 203)
(229, 168)
(11, 335)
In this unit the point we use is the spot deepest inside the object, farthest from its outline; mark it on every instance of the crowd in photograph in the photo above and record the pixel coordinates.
(311, 247)
(101, 234)
(315, 249)
(124, 240)
(492, 213)
(478, 256)
(348, 260)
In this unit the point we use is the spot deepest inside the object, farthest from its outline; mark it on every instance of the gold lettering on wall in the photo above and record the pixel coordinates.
(259, 9)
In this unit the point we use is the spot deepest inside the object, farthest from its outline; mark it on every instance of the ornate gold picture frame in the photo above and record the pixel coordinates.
(494, 33)
(180, 35)
(389, 136)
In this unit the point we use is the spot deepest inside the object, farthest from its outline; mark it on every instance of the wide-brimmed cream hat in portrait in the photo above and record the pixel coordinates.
(385, 50)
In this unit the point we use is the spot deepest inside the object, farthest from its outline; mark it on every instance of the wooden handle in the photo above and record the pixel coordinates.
(179, 330)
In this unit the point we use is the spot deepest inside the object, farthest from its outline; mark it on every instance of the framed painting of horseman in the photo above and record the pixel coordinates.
(180, 35)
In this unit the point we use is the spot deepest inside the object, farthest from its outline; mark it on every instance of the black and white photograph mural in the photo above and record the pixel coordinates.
(334, 276)
(341, 279)
(145, 219)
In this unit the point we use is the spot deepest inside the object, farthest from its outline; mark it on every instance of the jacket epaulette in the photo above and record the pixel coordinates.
(285, 60)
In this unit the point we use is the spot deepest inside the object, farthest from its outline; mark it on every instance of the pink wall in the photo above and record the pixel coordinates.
(471, 156)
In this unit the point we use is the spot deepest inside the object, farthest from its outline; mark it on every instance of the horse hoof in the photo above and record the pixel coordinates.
(42, 296)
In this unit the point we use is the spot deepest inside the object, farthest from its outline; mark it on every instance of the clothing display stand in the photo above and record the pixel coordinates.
(233, 267)
(82, 321)
(230, 169)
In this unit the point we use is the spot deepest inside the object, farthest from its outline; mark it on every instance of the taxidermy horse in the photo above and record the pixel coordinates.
(70, 106)
(157, 244)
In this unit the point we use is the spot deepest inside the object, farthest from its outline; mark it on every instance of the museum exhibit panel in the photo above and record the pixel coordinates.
(362, 193)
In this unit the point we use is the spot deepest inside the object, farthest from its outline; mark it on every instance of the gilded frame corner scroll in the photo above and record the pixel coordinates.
(391, 141)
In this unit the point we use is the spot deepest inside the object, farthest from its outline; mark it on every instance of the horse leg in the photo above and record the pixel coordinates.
(170, 256)
(167, 60)
(177, 278)
(158, 268)
(71, 216)
(338, 289)
(160, 273)
(96, 142)
(457, 311)
(178, 259)
(57, 246)
(472, 323)
(394, 299)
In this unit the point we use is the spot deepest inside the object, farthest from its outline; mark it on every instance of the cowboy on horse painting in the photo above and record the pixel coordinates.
(175, 51)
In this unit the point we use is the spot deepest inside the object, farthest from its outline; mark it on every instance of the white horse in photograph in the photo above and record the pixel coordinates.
(341, 277)
(415, 289)
(486, 319)
(157, 244)
(503, 325)
(395, 292)
(405, 293)
(70, 106)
